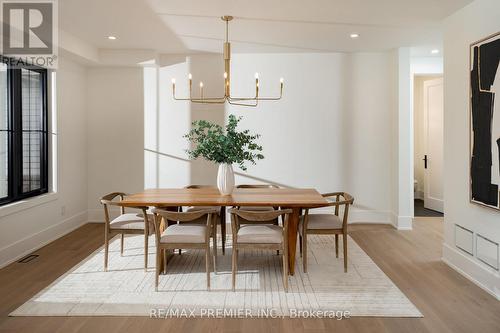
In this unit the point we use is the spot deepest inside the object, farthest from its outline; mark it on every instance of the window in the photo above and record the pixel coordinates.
(23, 132)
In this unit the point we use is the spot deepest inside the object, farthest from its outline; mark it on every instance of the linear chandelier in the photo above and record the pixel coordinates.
(244, 101)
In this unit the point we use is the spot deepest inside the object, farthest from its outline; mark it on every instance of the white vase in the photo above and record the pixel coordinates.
(225, 179)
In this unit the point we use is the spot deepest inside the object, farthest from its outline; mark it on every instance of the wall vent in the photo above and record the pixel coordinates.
(464, 239)
(487, 251)
(28, 258)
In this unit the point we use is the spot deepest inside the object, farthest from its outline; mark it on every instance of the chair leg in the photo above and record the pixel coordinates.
(344, 241)
(277, 222)
(207, 264)
(165, 261)
(121, 245)
(223, 229)
(106, 250)
(180, 251)
(300, 245)
(336, 245)
(285, 271)
(214, 240)
(157, 270)
(146, 247)
(234, 266)
(304, 251)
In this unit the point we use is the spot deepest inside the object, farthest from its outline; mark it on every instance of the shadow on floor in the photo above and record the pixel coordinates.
(420, 210)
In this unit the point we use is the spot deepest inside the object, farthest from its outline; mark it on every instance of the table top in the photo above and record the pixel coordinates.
(305, 198)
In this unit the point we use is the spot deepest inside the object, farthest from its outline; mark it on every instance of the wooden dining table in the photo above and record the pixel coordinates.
(294, 199)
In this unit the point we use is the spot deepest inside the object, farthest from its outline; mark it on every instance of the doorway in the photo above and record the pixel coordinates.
(428, 145)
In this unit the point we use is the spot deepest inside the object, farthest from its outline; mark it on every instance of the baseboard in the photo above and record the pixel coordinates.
(369, 216)
(404, 223)
(97, 215)
(356, 215)
(485, 278)
(401, 222)
(31, 243)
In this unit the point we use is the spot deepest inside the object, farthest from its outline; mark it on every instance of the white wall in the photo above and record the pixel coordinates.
(27, 225)
(468, 25)
(115, 133)
(167, 120)
(332, 129)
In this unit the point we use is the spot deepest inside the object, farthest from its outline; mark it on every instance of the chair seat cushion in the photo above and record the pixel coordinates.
(184, 233)
(260, 234)
(321, 221)
(128, 221)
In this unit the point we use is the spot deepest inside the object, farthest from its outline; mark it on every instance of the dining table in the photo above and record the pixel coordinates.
(295, 199)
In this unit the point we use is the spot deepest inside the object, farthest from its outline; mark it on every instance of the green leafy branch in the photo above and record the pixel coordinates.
(214, 143)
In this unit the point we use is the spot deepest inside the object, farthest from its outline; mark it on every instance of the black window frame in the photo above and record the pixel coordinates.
(15, 133)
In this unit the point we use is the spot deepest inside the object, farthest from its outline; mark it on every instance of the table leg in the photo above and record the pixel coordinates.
(293, 225)
(223, 228)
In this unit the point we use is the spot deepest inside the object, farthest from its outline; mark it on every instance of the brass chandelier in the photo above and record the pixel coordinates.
(244, 101)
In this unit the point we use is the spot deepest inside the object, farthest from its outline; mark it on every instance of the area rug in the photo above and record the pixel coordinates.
(127, 290)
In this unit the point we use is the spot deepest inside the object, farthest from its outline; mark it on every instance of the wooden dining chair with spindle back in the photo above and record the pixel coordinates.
(182, 233)
(259, 208)
(135, 223)
(220, 217)
(258, 232)
(326, 224)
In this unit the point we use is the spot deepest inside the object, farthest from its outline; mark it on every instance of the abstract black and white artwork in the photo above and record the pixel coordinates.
(485, 122)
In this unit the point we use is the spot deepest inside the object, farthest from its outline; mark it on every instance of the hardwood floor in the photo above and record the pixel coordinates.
(449, 302)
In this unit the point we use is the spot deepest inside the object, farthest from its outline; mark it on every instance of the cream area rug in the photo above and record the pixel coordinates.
(127, 290)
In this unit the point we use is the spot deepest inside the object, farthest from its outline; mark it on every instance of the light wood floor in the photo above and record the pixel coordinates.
(449, 302)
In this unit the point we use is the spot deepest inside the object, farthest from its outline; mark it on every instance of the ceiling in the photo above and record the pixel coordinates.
(191, 26)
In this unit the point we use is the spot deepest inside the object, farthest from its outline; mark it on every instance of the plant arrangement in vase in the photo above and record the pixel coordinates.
(224, 146)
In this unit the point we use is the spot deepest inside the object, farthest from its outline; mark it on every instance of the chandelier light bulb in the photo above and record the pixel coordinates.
(282, 80)
(250, 101)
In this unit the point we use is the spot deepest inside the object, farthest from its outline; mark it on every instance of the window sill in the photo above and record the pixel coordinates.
(21, 205)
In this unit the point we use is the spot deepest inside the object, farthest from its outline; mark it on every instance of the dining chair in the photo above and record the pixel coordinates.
(124, 224)
(329, 224)
(259, 233)
(220, 217)
(257, 208)
(183, 234)
(260, 208)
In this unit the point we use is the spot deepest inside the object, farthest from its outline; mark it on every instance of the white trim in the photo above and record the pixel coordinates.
(21, 205)
(356, 215)
(97, 215)
(405, 223)
(369, 216)
(27, 245)
(484, 277)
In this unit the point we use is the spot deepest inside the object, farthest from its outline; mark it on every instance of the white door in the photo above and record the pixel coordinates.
(433, 144)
